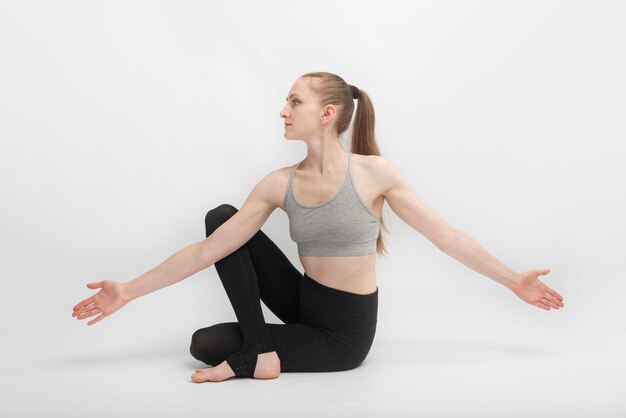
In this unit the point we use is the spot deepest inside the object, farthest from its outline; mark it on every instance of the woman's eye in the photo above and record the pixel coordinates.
(295, 101)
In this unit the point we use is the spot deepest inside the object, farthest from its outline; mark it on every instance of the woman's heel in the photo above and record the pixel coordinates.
(243, 362)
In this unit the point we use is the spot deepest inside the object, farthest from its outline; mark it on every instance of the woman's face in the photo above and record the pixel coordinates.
(302, 112)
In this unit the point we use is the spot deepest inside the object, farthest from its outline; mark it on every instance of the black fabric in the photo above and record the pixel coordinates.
(325, 329)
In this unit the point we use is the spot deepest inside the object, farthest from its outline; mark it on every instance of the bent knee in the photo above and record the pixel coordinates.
(217, 216)
(194, 346)
(354, 360)
(213, 344)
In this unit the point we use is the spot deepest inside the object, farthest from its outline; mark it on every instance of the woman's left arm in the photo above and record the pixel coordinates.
(526, 285)
(457, 244)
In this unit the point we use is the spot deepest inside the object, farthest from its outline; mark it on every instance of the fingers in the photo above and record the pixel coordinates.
(545, 303)
(96, 320)
(555, 300)
(78, 311)
(548, 302)
(551, 301)
(88, 314)
(83, 303)
(553, 296)
(554, 293)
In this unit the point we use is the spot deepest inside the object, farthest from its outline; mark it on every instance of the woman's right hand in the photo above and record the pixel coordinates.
(108, 300)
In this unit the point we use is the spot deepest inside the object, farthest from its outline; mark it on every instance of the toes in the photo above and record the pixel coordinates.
(201, 375)
(213, 374)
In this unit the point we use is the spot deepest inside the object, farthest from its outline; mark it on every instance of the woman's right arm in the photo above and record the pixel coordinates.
(175, 268)
(226, 239)
(114, 295)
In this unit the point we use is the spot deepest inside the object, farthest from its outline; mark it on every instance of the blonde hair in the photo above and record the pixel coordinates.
(332, 89)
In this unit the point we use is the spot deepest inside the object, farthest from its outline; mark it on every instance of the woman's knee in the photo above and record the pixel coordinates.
(201, 346)
(217, 216)
(213, 344)
(194, 347)
(353, 360)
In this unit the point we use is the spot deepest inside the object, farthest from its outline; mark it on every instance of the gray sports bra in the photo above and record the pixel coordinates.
(342, 226)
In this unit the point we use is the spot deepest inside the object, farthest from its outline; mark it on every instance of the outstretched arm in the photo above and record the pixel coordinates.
(115, 295)
(459, 245)
(231, 235)
(526, 286)
(466, 250)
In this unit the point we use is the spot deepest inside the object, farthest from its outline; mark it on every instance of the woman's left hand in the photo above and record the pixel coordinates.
(531, 290)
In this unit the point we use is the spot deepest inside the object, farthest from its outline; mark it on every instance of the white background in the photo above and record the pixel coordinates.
(123, 122)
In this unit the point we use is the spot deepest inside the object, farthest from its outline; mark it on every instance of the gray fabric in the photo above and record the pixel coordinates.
(342, 226)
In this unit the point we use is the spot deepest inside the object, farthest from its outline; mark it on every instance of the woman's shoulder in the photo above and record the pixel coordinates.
(275, 184)
(369, 166)
(370, 161)
(282, 174)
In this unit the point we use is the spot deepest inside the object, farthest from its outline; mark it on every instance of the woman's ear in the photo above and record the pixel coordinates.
(328, 113)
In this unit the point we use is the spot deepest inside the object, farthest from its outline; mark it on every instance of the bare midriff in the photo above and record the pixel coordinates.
(355, 274)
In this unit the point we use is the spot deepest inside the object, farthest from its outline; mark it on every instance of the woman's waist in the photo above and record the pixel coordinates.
(356, 274)
(335, 308)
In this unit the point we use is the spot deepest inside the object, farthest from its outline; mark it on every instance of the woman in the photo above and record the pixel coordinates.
(334, 202)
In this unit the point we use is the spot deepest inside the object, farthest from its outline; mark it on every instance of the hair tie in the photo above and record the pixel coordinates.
(355, 91)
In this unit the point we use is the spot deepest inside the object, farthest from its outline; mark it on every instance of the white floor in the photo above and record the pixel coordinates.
(136, 363)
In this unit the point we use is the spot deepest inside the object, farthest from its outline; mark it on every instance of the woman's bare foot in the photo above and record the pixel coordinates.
(267, 367)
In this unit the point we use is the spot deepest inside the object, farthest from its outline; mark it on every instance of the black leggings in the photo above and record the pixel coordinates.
(325, 329)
